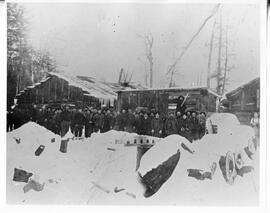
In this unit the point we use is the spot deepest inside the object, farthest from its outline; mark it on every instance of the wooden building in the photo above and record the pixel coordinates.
(245, 98)
(164, 100)
(58, 88)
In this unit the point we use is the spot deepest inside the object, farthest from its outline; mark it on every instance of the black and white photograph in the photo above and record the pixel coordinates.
(139, 103)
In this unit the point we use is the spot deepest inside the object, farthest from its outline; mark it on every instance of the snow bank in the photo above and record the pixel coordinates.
(100, 170)
(69, 177)
(161, 152)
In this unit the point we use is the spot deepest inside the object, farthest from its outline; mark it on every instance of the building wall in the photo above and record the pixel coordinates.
(162, 100)
(244, 101)
(246, 98)
(54, 90)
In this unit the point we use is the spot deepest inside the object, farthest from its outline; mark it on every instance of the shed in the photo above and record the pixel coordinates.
(165, 99)
(245, 98)
(58, 88)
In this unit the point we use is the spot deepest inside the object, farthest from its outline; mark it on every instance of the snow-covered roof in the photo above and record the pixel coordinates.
(93, 87)
(90, 86)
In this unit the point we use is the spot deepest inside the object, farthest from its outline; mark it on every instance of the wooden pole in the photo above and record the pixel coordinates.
(218, 77)
(210, 56)
(226, 63)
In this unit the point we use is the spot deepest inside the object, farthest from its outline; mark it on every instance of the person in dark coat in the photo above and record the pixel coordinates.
(146, 125)
(123, 120)
(57, 122)
(65, 118)
(194, 126)
(72, 123)
(99, 121)
(34, 113)
(130, 121)
(95, 118)
(157, 126)
(171, 125)
(184, 128)
(9, 120)
(40, 117)
(117, 121)
(178, 119)
(89, 127)
(152, 116)
(79, 121)
(107, 121)
(136, 121)
(202, 124)
(139, 123)
(17, 118)
(181, 105)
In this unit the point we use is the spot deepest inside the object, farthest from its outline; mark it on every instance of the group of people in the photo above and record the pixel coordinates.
(84, 121)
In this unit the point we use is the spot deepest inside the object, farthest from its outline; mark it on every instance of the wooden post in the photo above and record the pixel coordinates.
(218, 77)
(210, 56)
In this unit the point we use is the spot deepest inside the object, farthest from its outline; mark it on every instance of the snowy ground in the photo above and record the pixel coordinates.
(98, 171)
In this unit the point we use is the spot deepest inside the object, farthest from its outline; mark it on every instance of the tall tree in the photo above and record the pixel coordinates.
(17, 52)
(172, 68)
(25, 66)
(149, 42)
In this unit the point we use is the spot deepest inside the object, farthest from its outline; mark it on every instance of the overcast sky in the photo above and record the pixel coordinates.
(99, 39)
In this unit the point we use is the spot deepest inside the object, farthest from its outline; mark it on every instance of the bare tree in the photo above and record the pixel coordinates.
(221, 73)
(149, 41)
(172, 69)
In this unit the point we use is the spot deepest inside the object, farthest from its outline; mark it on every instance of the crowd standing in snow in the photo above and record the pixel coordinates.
(88, 120)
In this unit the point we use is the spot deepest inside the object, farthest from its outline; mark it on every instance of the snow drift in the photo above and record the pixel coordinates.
(102, 170)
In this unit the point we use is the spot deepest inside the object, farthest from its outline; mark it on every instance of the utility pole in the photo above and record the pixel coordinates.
(218, 76)
(226, 62)
(210, 56)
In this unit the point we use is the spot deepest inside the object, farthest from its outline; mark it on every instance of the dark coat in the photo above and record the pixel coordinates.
(171, 126)
(130, 121)
(65, 115)
(122, 121)
(107, 122)
(146, 126)
(194, 124)
(139, 124)
(157, 126)
(79, 119)
(181, 107)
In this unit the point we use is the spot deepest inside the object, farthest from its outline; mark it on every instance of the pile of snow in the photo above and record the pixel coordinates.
(225, 122)
(101, 170)
(75, 177)
(162, 151)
